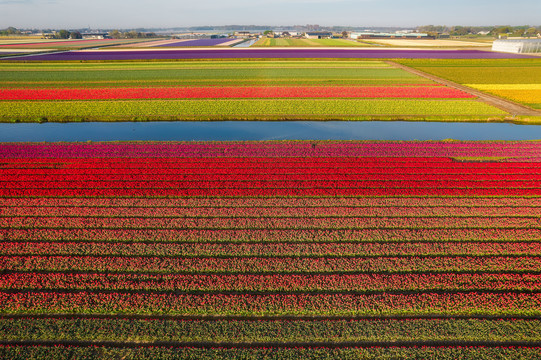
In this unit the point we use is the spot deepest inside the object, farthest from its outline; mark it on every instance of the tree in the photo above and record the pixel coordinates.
(63, 34)
(75, 35)
(115, 34)
(531, 32)
(10, 31)
(268, 33)
(345, 34)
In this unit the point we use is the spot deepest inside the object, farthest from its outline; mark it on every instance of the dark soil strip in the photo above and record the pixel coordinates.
(509, 106)
(301, 273)
(258, 345)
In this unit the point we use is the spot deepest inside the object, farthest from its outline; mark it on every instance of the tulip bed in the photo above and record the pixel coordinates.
(203, 90)
(301, 250)
(516, 80)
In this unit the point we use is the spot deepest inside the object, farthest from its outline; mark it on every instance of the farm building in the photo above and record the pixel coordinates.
(318, 35)
(517, 46)
(94, 36)
(378, 35)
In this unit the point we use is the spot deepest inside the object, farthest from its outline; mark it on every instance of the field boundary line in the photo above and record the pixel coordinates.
(513, 108)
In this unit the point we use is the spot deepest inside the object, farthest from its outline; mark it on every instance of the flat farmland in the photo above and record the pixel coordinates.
(297, 249)
(229, 90)
(513, 79)
(267, 42)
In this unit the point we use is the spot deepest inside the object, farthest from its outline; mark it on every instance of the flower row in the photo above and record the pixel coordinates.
(218, 92)
(524, 150)
(263, 265)
(274, 235)
(309, 212)
(398, 204)
(272, 249)
(40, 302)
(272, 283)
(257, 222)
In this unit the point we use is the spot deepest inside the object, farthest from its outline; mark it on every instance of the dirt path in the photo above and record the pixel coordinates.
(503, 104)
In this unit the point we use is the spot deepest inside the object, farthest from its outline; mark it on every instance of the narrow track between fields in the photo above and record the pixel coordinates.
(509, 106)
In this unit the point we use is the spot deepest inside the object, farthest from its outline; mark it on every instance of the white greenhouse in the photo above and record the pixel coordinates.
(517, 46)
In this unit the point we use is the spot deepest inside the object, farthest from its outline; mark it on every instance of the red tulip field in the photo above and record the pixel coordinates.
(273, 249)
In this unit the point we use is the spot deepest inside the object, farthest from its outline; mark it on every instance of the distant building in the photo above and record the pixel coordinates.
(378, 35)
(517, 46)
(244, 34)
(94, 36)
(318, 35)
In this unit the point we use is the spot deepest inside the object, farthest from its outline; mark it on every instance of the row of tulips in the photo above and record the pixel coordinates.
(282, 283)
(504, 190)
(257, 222)
(272, 249)
(469, 303)
(274, 235)
(219, 92)
(272, 265)
(181, 178)
(268, 212)
(206, 204)
(528, 151)
(290, 163)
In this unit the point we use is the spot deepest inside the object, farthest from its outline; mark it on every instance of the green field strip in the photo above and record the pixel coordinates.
(270, 330)
(207, 74)
(196, 64)
(214, 82)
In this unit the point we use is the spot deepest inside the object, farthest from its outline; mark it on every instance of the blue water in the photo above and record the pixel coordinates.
(255, 130)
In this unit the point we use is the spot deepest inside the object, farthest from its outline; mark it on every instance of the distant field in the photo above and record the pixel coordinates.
(427, 43)
(204, 73)
(64, 44)
(265, 42)
(515, 79)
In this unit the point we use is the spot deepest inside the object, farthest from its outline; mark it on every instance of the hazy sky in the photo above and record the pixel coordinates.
(179, 13)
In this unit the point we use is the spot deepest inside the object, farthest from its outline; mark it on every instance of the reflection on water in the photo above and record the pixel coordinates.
(266, 130)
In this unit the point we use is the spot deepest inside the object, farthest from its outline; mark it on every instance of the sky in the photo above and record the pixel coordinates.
(72, 14)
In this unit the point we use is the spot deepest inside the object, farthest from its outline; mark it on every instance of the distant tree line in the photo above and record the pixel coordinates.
(526, 30)
(10, 31)
(117, 34)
